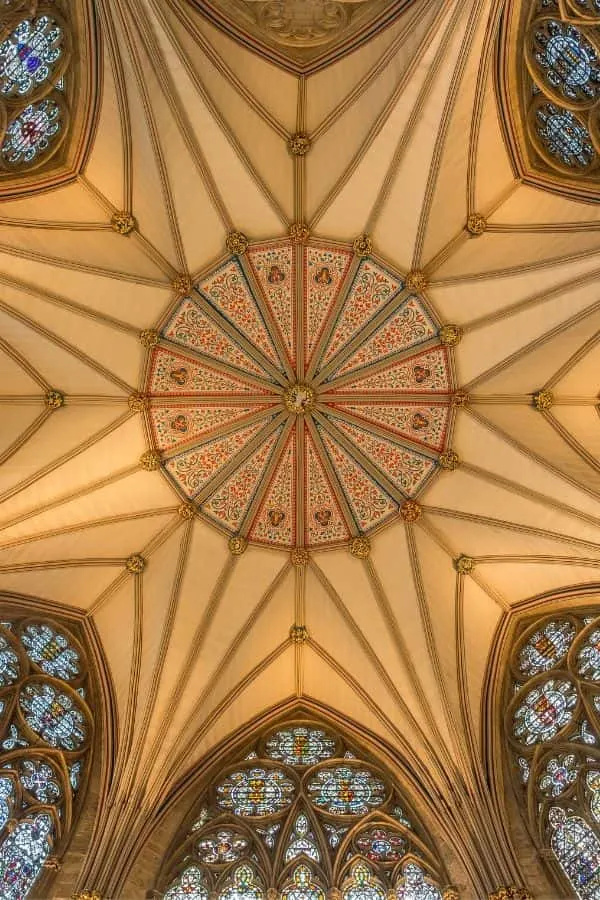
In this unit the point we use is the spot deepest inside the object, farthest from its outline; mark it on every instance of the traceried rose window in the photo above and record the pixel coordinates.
(553, 727)
(299, 813)
(45, 747)
(35, 55)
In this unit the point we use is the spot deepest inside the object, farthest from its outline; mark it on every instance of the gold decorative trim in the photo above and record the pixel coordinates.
(236, 243)
(449, 460)
(150, 460)
(360, 547)
(237, 545)
(299, 399)
(299, 557)
(53, 864)
(149, 338)
(182, 284)
(451, 335)
(299, 143)
(123, 222)
(363, 245)
(511, 893)
(86, 895)
(543, 400)
(416, 281)
(187, 511)
(476, 224)
(460, 399)
(410, 511)
(138, 402)
(464, 565)
(299, 232)
(299, 634)
(54, 399)
(450, 893)
(135, 564)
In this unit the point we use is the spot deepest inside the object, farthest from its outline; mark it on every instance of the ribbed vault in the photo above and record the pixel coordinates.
(407, 147)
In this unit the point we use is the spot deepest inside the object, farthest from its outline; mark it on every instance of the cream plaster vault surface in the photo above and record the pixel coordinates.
(406, 145)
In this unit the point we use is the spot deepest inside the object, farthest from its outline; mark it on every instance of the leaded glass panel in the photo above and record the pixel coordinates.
(53, 715)
(564, 137)
(546, 647)
(415, 886)
(9, 663)
(544, 711)
(264, 826)
(51, 650)
(577, 849)
(23, 852)
(31, 133)
(189, 886)
(29, 56)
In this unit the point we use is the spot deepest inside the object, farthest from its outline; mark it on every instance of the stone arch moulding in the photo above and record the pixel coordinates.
(517, 767)
(549, 100)
(158, 849)
(47, 660)
(49, 87)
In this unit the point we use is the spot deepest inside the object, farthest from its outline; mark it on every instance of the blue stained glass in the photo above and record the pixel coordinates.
(54, 716)
(29, 55)
(51, 651)
(577, 849)
(256, 792)
(31, 133)
(343, 791)
(381, 845)
(561, 772)
(567, 60)
(190, 885)
(564, 137)
(9, 663)
(7, 795)
(40, 779)
(22, 856)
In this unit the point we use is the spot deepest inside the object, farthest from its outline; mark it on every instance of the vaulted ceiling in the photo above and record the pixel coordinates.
(406, 145)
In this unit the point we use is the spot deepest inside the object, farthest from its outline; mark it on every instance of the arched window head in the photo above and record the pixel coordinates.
(45, 747)
(551, 91)
(298, 812)
(46, 80)
(553, 728)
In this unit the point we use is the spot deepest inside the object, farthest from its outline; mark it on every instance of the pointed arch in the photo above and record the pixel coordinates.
(552, 735)
(305, 809)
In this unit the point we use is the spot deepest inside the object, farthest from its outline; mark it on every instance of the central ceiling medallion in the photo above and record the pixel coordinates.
(299, 396)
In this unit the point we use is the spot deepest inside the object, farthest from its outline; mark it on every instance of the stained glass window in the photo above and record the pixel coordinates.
(300, 746)
(302, 886)
(415, 886)
(362, 884)
(256, 792)
(345, 791)
(51, 651)
(564, 136)
(302, 841)
(554, 734)
(566, 59)
(31, 133)
(38, 783)
(189, 886)
(296, 808)
(29, 56)
(53, 715)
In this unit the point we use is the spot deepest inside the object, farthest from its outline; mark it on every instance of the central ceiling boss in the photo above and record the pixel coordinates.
(300, 394)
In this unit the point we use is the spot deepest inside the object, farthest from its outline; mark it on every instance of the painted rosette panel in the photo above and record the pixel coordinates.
(173, 374)
(324, 522)
(372, 287)
(324, 272)
(275, 522)
(275, 271)
(177, 425)
(407, 327)
(424, 373)
(228, 291)
(426, 425)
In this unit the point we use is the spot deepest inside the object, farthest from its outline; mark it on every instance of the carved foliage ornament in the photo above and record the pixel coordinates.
(554, 77)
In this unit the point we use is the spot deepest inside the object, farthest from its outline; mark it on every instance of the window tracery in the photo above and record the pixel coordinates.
(552, 50)
(299, 813)
(35, 74)
(45, 747)
(553, 727)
